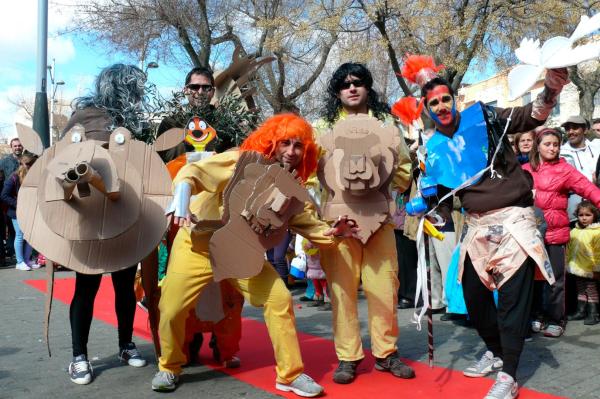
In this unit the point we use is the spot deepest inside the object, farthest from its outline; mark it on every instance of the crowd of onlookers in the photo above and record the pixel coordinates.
(13, 169)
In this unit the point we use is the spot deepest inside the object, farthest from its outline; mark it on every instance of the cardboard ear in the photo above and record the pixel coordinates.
(169, 139)
(30, 139)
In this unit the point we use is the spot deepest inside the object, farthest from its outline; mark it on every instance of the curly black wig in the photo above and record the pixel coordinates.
(333, 103)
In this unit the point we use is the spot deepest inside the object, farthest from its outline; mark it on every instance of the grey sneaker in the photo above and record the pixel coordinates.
(537, 326)
(164, 381)
(505, 387)
(130, 355)
(80, 370)
(554, 331)
(487, 364)
(301, 386)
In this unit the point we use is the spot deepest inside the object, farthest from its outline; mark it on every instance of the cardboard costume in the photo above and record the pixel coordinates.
(92, 206)
(350, 173)
(190, 270)
(361, 154)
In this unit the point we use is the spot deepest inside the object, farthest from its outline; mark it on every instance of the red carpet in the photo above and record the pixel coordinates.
(318, 354)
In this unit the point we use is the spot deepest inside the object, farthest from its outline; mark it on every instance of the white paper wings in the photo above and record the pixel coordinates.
(556, 52)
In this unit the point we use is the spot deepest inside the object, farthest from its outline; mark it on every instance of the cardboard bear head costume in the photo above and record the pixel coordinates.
(93, 206)
(361, 157)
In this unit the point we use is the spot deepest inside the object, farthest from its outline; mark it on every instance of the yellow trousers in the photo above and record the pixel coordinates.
(189, 272)
(376, 265)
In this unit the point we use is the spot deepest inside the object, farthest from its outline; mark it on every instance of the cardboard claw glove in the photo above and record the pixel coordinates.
(546, 100)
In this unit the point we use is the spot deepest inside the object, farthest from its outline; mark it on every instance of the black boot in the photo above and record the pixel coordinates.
(592, 316)
(580, 312)
(194, 348)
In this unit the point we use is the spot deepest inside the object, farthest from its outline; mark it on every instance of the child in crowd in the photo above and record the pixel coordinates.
(315, 273)
(583, 261)
(9, 197)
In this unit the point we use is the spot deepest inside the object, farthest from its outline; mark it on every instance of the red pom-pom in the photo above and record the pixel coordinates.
(408, 109)
(415, 65)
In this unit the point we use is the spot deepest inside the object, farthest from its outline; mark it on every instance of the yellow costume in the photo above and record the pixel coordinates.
(376, 265)
(583, 251)
(189, 272)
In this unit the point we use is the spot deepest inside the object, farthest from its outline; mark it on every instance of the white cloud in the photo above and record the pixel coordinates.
(18, 30)
(61, 49)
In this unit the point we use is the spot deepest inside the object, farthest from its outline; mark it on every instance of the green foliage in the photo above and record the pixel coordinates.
(230, 117)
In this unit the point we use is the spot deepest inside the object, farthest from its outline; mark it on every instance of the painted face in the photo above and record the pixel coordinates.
(199, 89)
(575, 134)
(585, 217)
(289, 151)
(549, 148)
(596, 129)
(353, 94)
(525, 143)
(441, 105)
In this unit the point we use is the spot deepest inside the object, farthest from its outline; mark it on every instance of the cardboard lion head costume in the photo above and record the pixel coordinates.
(360, 160)
(92, 206)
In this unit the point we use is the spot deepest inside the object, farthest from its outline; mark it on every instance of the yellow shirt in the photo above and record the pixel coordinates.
(583, 251)
(208, 179)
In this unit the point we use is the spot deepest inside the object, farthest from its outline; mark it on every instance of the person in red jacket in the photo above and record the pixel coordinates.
(553, 180)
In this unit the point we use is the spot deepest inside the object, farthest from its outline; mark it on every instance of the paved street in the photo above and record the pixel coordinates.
(568, 366)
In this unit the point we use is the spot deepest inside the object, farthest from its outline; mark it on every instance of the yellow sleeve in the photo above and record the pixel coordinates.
(310, 227)
(402, 178)
(211, 174)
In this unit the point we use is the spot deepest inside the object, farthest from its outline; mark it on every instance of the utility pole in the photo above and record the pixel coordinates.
(40, 110)
(54, 84)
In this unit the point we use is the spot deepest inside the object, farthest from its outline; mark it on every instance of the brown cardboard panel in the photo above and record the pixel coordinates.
(169, 139)
(112, 234)
(66, 159)
(260, 204)
(207, 308)
(30, 139)
(356, 170)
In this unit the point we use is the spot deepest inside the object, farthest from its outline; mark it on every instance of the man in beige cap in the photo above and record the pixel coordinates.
(580, 152)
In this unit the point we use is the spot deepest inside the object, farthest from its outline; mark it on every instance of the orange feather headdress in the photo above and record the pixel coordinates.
(420, 69)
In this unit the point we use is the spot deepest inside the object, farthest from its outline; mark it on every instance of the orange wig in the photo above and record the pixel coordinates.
(283, 127)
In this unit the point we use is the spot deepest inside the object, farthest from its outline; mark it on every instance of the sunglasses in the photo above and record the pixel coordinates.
(198, 87)
(355, 82)
(445, 99)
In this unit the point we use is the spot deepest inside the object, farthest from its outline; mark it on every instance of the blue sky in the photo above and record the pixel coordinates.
(77, 61)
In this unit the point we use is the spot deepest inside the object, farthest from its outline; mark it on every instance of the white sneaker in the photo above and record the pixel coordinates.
(130, 355)
(80, 370)
(487, 364)
(33, 265)
(303, 385)
(22, 266)
(505, 387)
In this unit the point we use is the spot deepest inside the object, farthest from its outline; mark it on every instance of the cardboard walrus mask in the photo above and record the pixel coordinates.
(91, 206)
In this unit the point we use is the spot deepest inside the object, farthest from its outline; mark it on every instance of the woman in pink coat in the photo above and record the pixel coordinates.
(553, 180)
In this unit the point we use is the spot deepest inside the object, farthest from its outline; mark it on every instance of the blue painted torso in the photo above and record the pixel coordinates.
(452, 161)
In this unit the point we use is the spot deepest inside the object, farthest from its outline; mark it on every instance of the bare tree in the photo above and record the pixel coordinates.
(299, 33)
(458, 34)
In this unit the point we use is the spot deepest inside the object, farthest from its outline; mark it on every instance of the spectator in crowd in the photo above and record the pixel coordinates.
(553, 179)
(580, 152)
(523, 144)
(9, 195)
(596, 129)
(8, 165)
(583, 261)
(405, 231)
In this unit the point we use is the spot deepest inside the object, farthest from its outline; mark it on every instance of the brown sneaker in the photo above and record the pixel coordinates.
(345, 372)
(394, 365)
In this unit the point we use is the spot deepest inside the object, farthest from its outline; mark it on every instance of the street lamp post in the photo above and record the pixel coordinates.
(55, 84)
